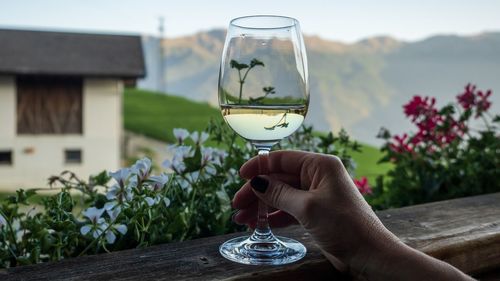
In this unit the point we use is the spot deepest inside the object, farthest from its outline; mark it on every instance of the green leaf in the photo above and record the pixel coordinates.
(465, 115)
(447, 110)
(101, 179)
(384, 133)
(239, 66)
(269, 90)
(193, 163)
(256, 62)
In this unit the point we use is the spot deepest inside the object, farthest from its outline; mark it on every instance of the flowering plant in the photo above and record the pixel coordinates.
(132, 207)
(451, 154)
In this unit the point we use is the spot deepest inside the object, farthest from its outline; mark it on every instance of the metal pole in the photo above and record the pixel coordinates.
(162, 83)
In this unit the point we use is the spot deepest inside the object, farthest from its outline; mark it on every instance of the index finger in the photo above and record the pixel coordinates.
(287, 162)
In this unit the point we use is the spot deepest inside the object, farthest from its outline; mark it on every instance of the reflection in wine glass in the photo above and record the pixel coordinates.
(263, 96)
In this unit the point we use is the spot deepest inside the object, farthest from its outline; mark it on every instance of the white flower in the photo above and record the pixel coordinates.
(166, 201)
(3, 221)
(180, 135)
(193, 176)
(110, 233)
(177, 162)
(150, 201)
(97, 225)
(109, 206)
(206, 155)
(184, 184)
(198, 138)
(232, 176)
(121, 176)
(316, 141)
(121, 228)
(121, 193)
(111, 228)
(113, 211)
(142, 168)
(331, 147)
(183, 151)
(158, 182)
(219, 156)
(93, 214)
(210, 171)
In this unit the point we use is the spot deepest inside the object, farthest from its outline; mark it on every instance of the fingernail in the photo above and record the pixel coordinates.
(259, 183)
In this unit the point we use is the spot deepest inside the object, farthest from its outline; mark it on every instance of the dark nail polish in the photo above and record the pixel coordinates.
(259, 183)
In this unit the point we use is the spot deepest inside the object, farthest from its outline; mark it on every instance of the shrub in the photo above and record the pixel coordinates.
(133, 208)
(450, 155)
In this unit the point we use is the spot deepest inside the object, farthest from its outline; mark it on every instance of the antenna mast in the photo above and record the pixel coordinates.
(162, 83)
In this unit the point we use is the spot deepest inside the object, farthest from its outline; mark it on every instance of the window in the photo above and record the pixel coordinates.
(49, 105)
(73, 156)
(5, 157)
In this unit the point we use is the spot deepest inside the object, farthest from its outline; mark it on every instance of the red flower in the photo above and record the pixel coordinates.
(419, 106)
(472, 98)
(438, 128)
(401, 144)
(363, 186)
(467, 99)
(429, 123)
(483, 104)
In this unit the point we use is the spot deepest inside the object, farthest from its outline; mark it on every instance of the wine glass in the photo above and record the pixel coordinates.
(263, 97)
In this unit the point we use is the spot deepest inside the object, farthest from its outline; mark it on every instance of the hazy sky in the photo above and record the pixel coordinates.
(345, 20)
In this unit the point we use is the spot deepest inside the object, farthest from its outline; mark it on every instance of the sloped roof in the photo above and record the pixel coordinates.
(63, 53)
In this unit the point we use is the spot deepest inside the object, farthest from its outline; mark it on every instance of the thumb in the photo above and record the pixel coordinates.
(279, 195)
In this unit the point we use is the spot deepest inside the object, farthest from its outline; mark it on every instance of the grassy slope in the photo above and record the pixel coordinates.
(367, 163)
(155, 115)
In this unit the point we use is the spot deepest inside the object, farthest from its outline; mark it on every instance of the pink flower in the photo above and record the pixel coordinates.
(401, 144)
(472, 98)
(429, 124)
(467, 99)
(483, 104)
(363, 186)
(418, 107)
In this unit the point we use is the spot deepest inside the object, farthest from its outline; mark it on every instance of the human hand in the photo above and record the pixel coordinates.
(316, 191)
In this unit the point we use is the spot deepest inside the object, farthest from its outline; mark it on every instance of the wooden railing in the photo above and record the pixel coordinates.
(464, 232)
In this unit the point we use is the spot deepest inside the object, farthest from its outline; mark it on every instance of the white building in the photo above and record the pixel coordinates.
(61, 103)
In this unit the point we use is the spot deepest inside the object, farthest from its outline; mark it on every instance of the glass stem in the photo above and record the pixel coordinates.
(262, 230)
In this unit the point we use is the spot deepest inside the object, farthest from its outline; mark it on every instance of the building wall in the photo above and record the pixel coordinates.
(37, 157)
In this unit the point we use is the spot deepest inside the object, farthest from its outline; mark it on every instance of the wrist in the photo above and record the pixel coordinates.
(377, 256)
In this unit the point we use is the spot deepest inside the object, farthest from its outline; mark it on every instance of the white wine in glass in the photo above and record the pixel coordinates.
(263, 96)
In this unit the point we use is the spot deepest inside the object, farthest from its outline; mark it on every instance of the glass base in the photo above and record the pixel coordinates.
(273, 250)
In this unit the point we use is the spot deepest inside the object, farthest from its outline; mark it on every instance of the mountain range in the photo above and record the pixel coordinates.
(360, 86)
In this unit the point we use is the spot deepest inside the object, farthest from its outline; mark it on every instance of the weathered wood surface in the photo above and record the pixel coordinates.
(464, 232)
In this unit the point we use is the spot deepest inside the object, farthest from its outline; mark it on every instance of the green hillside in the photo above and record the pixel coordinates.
(155, 115)
(361, 85)
(366, 161)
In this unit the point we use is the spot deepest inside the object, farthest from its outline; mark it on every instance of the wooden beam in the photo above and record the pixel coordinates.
(464, 232)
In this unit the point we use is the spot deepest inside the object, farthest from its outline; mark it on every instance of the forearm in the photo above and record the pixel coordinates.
(401, 262)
